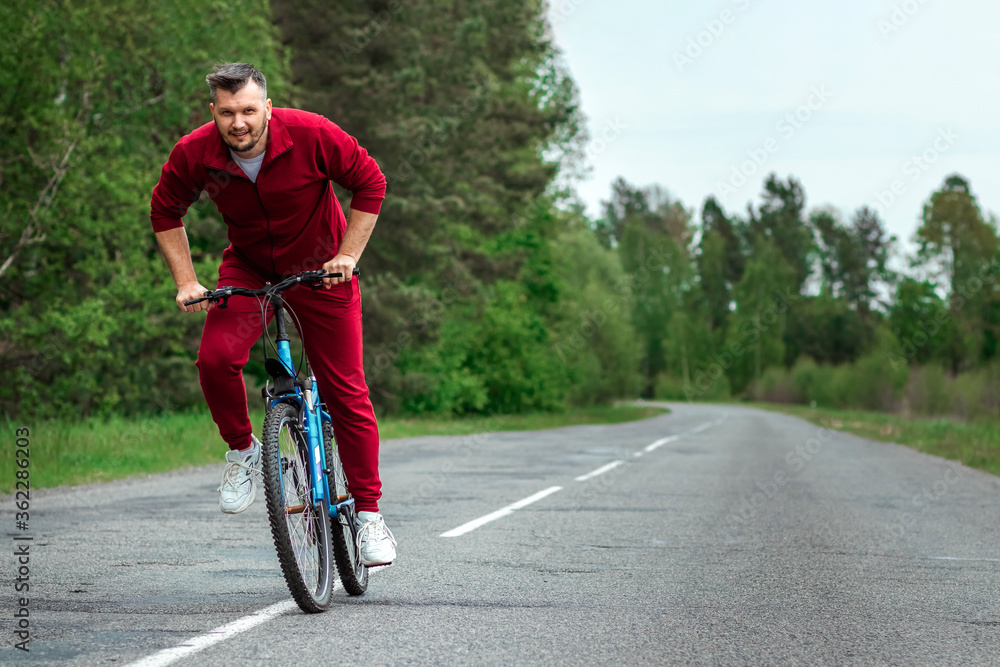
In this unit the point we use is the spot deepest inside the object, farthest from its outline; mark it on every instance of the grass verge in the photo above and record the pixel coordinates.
(103, 450)
(408, 428)
(976, 444)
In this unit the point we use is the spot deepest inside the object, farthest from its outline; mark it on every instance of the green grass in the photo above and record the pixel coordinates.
(976, 444)
(408, 428)
(103, 450)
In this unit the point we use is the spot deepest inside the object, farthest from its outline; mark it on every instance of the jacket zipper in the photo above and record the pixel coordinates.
(274, 266)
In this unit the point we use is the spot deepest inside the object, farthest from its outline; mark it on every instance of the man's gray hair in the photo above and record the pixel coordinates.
(231, 77)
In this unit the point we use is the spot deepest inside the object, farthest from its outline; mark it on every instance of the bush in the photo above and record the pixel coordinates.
(932, 391)
(879, 380)
(776, 385)
(977, 394)
(807, 382)
(872, 383)
(494, 357)
(929, 390)
(672, 388)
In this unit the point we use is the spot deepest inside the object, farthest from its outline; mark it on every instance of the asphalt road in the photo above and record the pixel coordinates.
(742, 537)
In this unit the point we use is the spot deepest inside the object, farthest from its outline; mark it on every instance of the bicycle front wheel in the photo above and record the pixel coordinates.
(301, 529)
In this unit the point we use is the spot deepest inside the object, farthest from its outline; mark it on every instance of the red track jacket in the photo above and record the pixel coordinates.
(289, 220)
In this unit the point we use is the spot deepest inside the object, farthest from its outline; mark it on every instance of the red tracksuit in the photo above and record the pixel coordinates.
(288, 221)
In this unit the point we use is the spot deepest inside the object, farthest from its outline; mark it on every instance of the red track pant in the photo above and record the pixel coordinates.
(330, 321)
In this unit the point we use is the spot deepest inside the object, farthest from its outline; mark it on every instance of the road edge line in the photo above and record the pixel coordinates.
(212, 637)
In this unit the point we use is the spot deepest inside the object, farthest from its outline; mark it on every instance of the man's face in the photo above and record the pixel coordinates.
(242, 119)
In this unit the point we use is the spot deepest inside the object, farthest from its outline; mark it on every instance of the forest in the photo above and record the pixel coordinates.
(487, 288)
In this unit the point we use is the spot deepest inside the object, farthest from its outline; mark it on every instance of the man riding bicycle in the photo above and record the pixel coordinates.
(268, 170)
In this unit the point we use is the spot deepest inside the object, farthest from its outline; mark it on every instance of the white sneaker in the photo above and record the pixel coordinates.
(238, 489)
(376, 543)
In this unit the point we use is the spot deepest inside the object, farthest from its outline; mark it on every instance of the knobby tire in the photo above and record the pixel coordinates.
(287, 484)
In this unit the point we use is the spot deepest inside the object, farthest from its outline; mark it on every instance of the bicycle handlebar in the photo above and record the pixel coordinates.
(309, 278)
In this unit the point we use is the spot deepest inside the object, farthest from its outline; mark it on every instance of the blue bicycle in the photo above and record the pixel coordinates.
(311, 512)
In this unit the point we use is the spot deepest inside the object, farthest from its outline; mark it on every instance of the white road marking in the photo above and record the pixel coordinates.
(500, 513)
(483, 520)
(697, 429)
(202, 642)
(659, 443)
(600, 471)
(220, 634)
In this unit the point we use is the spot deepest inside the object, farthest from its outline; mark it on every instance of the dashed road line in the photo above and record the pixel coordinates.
(241, 625)
(600, 471)
(500, 513)
(504, 511)
(659, 443)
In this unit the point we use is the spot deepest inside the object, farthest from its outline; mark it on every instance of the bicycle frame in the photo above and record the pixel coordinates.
(288, 397)
(308, 399)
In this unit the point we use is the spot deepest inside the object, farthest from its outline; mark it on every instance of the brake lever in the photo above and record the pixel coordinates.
(223, 301)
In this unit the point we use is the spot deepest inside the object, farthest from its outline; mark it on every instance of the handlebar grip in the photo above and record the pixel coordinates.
(355, 272)
(191, 302)
(319, 285)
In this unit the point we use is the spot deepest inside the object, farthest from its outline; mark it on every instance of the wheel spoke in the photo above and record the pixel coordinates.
(303, 534)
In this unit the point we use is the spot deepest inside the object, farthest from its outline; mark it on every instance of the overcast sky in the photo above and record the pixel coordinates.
(685, 93)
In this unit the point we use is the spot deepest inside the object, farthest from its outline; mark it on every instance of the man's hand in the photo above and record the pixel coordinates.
(343, 264)
(188, 291)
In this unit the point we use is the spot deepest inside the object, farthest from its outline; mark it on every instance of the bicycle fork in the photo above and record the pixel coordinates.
(312, 424)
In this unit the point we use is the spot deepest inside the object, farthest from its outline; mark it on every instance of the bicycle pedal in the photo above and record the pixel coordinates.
(376, 567)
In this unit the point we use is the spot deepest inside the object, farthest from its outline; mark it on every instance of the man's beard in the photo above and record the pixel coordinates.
(253, 136)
